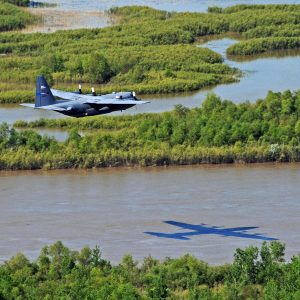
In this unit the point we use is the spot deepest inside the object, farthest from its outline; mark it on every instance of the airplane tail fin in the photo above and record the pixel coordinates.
(43, 95)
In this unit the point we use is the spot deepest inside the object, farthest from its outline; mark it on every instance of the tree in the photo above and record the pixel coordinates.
(211, 102)
(269, 267)
(47, 73)
(98, 69)
(244, 269)
(76, 68)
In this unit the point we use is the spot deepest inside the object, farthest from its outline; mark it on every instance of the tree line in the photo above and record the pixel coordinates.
(217, 132)
(62, 273)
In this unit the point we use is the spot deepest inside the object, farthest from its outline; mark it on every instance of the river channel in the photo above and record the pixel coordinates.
(114, 207)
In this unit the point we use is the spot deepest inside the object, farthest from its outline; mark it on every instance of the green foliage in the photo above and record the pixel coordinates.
(60, 273)
(218, 132)
(18, 2)
(98, 70)
(12, 17)
(149, 51)
(261, 45)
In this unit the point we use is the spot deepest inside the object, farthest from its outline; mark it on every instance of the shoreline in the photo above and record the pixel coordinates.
(124, 168)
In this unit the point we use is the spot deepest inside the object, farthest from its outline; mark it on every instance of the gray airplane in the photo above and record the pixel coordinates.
(78, 105)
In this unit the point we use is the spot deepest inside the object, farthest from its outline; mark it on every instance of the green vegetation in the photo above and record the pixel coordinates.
(13, 17)
(218, 132)
(18, 2)
(149, 51)
(261, 45)
(60, 273)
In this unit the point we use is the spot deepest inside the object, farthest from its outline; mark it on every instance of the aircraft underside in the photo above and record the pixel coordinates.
(93, 110)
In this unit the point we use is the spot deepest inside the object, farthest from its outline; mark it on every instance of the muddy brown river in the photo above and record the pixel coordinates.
(114, 208)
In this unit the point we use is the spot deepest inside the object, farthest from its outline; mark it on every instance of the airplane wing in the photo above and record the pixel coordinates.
(95, 99)
(66, 95)
(250, 236)
(114, 102)
(241, 228)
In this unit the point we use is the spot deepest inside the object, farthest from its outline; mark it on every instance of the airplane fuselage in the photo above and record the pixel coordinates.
(77, 109)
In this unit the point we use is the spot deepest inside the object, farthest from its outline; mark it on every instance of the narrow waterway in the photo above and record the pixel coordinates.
(277, 71)
(115, 207)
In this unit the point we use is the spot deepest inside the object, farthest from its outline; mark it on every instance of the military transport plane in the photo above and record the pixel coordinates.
(78, 105)
(203, 229)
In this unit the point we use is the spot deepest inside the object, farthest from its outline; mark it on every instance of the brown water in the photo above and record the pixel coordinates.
(114, 207)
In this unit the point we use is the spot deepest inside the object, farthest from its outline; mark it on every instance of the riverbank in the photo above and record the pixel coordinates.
(217, 132)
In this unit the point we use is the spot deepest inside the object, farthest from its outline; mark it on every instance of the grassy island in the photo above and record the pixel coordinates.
(60, 273)
(149, 51)
(217, 132)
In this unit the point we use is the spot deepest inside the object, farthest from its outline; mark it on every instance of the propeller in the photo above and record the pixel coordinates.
(134, 95)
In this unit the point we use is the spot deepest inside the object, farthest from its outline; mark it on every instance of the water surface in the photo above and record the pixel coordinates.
(114, 207)
(74, 14)
(169, 5)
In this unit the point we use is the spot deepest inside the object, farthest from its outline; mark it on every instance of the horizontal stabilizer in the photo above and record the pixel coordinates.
(53, 107)
(47, 107)
(28, 105)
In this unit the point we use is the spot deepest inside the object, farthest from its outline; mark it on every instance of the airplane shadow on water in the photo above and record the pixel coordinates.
(204, 229)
